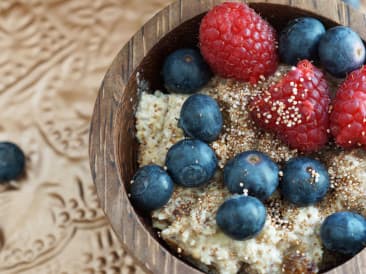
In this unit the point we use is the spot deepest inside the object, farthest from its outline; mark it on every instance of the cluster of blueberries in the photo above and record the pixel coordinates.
(251, 176)
(340, 50)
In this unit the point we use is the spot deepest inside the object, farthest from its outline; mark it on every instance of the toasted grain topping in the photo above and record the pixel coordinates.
(289, 241)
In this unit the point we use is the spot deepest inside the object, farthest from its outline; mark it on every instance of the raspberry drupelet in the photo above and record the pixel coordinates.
(296, 108)
(237, 43)
(348, 117)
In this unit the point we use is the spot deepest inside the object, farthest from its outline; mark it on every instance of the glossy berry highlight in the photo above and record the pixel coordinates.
(191, 162)
(299, 40)
(185, 71)
(237, 43)
(253, 171)
(305, 181)
(241, 217)
(296, 108)
(341, 51)
(151, 188)
(348, 117)
(201, 118)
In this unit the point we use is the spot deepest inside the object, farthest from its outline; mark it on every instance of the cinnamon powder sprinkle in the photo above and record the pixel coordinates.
(289, 241)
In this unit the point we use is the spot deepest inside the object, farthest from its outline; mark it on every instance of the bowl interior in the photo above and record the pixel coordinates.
(186, 35)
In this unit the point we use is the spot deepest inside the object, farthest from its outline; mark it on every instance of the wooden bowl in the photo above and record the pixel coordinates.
(113, 146)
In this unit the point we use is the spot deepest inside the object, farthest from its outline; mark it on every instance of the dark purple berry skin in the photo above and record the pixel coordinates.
(151, 188)
(341, 51)
(241, 217)
(191, 162)
(254, 171)
(185, 71)
(201, 118)
(300, 40)
(344, 232)
(12, 162)
(305, 181)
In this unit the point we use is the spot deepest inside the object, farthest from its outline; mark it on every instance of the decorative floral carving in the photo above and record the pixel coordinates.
(63, 112)
(27, 41)
(53, 55)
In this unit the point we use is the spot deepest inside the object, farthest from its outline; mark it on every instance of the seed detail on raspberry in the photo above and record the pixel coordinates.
(296, 108)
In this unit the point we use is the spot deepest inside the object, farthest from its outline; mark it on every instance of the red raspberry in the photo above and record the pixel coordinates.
(296, 108)
(237, 43)
(348, 117)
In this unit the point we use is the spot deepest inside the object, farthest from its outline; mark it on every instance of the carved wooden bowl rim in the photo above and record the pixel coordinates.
(106, 140)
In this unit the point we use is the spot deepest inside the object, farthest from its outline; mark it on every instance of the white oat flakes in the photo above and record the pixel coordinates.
(290, 239)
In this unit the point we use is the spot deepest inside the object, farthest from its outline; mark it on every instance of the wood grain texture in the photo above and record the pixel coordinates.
(113, 147)
(53, 55)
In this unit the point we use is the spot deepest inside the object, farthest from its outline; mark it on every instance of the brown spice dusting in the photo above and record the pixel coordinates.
(277, 209)
(295, 262)
(240, 132)
(346, 191)
(197, 207)
(182, 210)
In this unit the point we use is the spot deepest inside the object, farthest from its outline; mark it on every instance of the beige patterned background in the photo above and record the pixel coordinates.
(53, 55)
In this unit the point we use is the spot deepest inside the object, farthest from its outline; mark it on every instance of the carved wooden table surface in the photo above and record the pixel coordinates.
(53, 55)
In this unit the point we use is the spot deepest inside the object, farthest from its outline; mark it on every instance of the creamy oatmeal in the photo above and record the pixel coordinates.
(290, 240)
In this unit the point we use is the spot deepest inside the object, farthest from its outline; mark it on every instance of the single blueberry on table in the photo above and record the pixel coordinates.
(151, 188)
(254, 171)
(12, 162)
(191, 162)
(241, 217)
(185, 71)
(344, 232)
(201, 118)
(341, 51)
(300, 40)
(353, 3)
(305, 181)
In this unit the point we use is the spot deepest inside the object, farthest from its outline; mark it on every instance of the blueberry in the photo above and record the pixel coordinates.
(191, 162)
(151, 188)
(341, 51)
(344, 232)
(12, 161)
(305, 181)
(356, 4)
(300, 40)
(254, 171)
(241, 217)
(201, 118)
(185, 71)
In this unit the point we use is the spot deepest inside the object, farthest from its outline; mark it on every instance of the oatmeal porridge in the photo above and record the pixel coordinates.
(187, 222)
